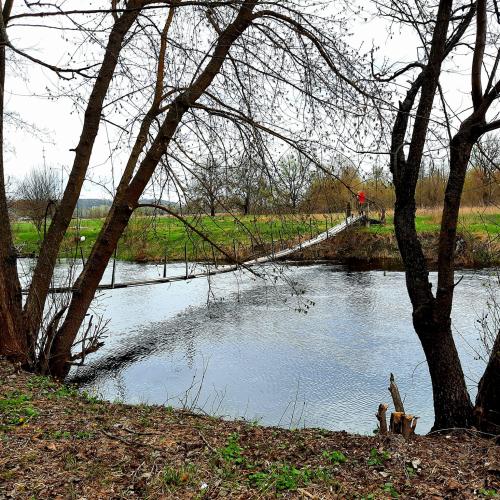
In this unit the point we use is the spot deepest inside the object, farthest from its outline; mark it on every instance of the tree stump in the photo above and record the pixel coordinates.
(381, 417)
(400, 422)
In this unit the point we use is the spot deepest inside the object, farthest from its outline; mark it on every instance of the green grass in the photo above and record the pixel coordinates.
(16, 408)
(154, 238)
(476, 223)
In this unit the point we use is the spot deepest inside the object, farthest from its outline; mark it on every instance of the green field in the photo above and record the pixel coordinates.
(473, 222)
(157, 238)
(154, 238)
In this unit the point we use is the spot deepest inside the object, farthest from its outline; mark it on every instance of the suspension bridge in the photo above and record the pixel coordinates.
(212, 269)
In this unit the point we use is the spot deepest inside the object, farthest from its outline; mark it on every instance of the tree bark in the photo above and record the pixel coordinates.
(12, 342)
(487, 410)
(382, 418)
(42, 276)
(396, 397)
(452, 405)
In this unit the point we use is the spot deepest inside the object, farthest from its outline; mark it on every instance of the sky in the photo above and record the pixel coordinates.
(60, 125)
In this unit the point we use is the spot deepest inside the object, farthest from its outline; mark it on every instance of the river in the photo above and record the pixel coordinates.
(308, 346)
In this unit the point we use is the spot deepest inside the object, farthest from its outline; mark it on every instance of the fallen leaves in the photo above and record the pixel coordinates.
(88, 449)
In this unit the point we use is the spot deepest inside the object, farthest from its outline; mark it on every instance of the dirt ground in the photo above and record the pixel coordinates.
(57, 443)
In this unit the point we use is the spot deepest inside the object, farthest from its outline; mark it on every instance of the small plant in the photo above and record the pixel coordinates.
(488, 492)
(378, 458)
(65, 392)
(335, 457)
(89, 398)
(286, 477)
(61, 435)
(84, 435)
(389, 488)
(411, 471)
(15, 406)
(232, 453)
(281, 477)
(41, 382)
(171, 476)
(176, 477)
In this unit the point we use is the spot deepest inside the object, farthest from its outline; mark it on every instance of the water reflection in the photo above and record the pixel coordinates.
(261, 358)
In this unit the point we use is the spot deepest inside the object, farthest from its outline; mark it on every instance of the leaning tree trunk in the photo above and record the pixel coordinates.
(127, 199)
(42, 276)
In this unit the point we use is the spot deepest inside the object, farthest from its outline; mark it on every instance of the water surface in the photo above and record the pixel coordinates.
(240, 346)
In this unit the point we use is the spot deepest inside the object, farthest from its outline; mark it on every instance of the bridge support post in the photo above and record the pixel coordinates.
(114, 269)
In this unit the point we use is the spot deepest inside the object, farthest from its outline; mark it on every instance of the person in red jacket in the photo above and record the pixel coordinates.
(361, 201)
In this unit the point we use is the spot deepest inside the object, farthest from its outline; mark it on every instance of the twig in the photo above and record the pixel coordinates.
(206, 442)
(131, 443)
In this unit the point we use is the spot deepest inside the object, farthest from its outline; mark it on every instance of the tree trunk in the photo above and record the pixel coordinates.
(452, 405)
(460, 152)
(487, 409)
(85, 288)
(12, 340)
(127, 199)
(42, 276)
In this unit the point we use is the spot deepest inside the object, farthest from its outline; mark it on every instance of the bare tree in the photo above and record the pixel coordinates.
(37, 196)
(170, 71)
(245, 180)
(291, 176)
(413, 129)
(208, 185)
(485, 160)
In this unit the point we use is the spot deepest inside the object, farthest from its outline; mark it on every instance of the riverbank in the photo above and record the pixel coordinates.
(376, 248)
(57, 443)
(156, 239)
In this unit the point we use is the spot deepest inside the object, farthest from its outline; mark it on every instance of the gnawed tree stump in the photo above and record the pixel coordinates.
(396, 397)
(381, 417)
(400, 422)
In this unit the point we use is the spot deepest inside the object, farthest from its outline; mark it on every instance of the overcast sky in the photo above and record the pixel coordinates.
(60, 125)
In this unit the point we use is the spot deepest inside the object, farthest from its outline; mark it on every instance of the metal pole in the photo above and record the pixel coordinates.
(165, 264)
(114, 269)
(272, 241)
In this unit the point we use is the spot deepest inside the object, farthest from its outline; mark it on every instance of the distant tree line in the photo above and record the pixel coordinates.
(294, 185)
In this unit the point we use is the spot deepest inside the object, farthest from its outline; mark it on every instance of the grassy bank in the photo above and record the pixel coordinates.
(377, 248)
(151, 239)
(154, 239)
(57, 443)
(481, 222)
